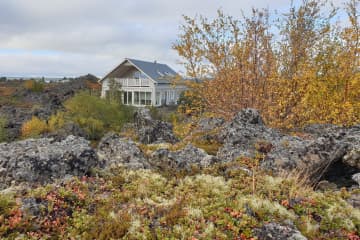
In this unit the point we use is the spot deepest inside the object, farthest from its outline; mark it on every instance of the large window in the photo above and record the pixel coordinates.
(148, 98)
(127, 97)
(142, 98)
(157, 98)
(136, 98)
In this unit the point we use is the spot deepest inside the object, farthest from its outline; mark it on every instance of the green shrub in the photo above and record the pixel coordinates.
(97, 116)
(3, 133)
(56, 121)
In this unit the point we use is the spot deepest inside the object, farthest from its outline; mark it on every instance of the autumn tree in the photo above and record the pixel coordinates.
(233, 57)
(308, 72)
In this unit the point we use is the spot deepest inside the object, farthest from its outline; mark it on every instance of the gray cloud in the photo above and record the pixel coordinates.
(82, 36)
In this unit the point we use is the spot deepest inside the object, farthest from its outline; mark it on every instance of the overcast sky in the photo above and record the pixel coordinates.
(72, 38)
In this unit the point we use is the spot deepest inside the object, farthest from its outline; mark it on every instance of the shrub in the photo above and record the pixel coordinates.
(190, 102)
(93, 127)
(34, 86)
(34, 127)
(3, 134)
(56, 121)
(97, 116)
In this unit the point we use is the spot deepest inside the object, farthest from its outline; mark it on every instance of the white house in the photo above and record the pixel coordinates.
(144, 83)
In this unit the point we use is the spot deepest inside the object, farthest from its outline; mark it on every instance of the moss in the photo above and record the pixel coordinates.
(6, 204)
(143, 204)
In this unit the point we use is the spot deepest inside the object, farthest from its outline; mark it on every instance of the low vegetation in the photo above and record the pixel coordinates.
(206, 204)
(34, 128)
(34, 85)
(94, 115)
(97, 116)
(3, 134)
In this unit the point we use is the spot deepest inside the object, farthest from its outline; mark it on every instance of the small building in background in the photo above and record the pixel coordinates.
(143, 83)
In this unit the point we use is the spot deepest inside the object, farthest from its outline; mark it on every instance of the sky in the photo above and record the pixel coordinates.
(56, 38)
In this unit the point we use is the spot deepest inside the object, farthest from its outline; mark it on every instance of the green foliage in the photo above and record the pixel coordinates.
(97, 116)
(6, 204)
(56, 121)
(3, 134)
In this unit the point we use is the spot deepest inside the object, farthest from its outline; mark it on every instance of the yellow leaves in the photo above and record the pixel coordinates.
(56, 121)
(310, 76)
(33, 128)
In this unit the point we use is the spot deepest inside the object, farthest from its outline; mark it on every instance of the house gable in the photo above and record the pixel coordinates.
(126, 69)
(157, 72)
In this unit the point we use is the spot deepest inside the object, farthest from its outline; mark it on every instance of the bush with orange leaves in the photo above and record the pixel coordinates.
(33, 128)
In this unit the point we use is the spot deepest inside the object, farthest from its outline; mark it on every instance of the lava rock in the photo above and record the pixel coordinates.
(40, 161)
(207, 124)
(240, 136)
(276, 231)
(182, 159)
(152, 131)
(354, 200)
(246, 136)
(356, 178)
(114, 150)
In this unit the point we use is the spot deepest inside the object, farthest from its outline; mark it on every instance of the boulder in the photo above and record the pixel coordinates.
(354, 199)
(277, 231)
(114, 150)
(182, 159)
(152, 131)
(246, 136)
(42, 160)
(356, 178)
(241, 135)
(208, 124)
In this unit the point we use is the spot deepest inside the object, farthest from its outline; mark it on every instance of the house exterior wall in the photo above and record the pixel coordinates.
(139, 90)
(164, 94)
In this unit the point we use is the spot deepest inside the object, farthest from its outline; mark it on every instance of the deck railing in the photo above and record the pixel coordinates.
(133, 82)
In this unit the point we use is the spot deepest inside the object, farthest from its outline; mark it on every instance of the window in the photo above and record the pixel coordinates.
(145, 98)
(148, 98)
(160, 73)
(142, 98)
(157, 98)
(125, 98)
(136, 98)
(137, 75)
(129, 97)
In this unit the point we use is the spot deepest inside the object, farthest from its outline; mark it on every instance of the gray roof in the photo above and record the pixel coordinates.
(158, 72)
(161, 73)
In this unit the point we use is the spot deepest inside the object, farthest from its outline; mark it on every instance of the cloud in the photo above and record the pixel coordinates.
(82, 36)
